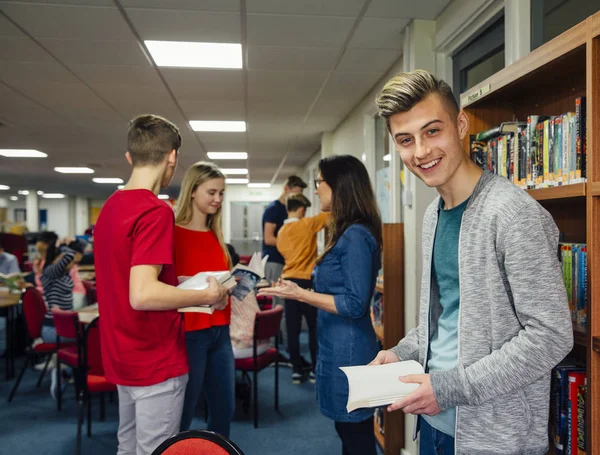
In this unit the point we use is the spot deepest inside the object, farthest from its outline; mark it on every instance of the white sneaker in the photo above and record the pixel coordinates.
(52, 364)
(54, 383)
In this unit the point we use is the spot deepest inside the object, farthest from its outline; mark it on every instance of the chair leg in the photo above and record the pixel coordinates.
(255, 385)
(16, 386)
(89, 415)
(277, 386)
(102, 408)
(59, 384)
(43, 373)
(80, 410)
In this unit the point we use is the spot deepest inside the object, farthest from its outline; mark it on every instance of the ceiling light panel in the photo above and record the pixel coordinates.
(259, 185)
(218, 126)
(185, 54)
(234, 171)
(227, 155)
(22, 153)
(53, 196)
(236, 181)
(4, 187)
(74, 170)
(107, 180)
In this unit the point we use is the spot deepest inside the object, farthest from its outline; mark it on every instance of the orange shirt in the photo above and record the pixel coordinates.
(197, 252)
(297, 243)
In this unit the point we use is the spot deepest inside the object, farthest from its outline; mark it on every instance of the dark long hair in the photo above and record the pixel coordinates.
(352, 198)
(49, 238)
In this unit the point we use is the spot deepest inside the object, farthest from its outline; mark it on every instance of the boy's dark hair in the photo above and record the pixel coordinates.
(293, 181)
(76, 246)
(150, 139)
(297, 201)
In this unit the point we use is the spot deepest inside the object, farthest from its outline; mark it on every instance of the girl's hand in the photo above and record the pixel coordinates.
(282, 288)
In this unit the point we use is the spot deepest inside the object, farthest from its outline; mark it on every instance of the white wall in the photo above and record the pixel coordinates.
(241, 193)
(58, 214)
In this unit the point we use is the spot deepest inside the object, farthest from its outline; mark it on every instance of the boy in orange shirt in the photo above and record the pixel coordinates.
(297, 243)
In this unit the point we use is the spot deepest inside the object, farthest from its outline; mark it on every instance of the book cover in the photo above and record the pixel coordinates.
(557, 147)
(576, 379)
(562, 403)
(582, 302)
(581, 415)
(580, 143)
(532, 148)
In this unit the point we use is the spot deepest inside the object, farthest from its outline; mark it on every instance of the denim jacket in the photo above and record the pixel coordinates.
(348, 272)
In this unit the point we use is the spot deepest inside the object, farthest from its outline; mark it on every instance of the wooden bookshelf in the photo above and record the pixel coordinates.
(392, 329)
(379, 288)
(546, 82)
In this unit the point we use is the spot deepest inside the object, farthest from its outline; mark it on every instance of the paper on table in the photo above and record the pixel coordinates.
(378, 385)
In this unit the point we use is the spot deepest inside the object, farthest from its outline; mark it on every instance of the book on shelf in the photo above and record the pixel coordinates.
(545, 151)
(581, 415)
(573, 258)
(241, 280)
(561, 409)
(379, 416)
(576, 379)
(378, 385)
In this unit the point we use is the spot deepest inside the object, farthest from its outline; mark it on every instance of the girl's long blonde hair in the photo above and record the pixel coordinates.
(196, 175)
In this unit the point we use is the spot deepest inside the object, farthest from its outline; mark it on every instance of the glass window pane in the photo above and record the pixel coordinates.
(484, 69)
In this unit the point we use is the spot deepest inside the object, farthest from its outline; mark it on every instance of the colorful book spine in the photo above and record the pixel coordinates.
(580, 141)
(581, 414)
(557, 144)
(576, 379)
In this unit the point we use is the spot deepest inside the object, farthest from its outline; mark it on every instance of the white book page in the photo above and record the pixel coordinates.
(198, 282)
(378, 385)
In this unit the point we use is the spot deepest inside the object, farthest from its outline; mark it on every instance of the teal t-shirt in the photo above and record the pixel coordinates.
(443, 348)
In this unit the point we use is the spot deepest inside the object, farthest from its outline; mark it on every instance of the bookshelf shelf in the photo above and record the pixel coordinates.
(379, 437)
(379, 288)
(559, 192)
(547, 82)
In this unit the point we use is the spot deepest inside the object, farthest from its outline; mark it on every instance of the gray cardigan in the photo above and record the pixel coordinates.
(514, 321)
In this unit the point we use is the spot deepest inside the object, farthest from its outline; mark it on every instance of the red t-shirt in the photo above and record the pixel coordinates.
(139, 348)
(197, 252)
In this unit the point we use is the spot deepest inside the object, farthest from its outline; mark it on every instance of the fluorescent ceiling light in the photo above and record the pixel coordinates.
(4, 187)
(234, 171)
(22, 153)
(107, 180)
(387, 157)
(39, 193)
(185, 54)
(222, 126)
(259, 185)
(236, 181)
(14, 198)
(23, 192)
(227, 155)
(53, 196)
(163, 196)
(120, 187)
(74, 170)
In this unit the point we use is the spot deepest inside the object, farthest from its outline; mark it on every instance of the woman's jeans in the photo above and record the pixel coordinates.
(210, 356)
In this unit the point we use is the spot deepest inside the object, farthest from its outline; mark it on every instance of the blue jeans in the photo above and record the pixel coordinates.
(210, 356)
(434, 442)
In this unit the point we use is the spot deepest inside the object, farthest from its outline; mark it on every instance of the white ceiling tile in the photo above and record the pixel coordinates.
(284, 91)
(66, 2)
(406, 9)
(111, 74)
(291, 58)
(187, 25)
(204, 84)
(185, 5)
(379, 34)
(214, 141)
(36, 73)
(7, 28)
(348, 8)
(86, 52)
(21, 49)
(223, 110)
(298, 30)
(71, 22)
(368, 60)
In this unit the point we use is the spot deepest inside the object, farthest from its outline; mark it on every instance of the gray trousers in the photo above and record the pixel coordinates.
(149, 415)
(272, 273)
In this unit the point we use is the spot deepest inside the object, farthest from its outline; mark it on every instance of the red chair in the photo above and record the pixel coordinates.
(34, 311)
(90, 378)
(67, 326)
(266, 326)
(264, 302)
(197, 442)
(90, 291)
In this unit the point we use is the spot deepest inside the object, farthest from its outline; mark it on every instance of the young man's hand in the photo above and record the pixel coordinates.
(421, 401)
(219, 293)
(385, 356)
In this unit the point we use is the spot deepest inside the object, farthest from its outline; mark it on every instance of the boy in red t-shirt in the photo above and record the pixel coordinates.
(143, 338)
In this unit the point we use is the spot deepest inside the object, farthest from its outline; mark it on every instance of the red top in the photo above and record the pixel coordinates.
(139, 348)
(197, 252)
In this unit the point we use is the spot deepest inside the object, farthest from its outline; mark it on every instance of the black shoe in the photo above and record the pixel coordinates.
(306, 366)
(312, 378)
(284, 361)
(297, 378)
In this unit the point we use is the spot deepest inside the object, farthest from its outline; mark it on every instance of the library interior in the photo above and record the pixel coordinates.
(288, 227)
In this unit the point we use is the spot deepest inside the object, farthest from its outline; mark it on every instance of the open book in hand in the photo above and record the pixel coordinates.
(12, 280)
(248, 276)
(378, 385)
(199, 282)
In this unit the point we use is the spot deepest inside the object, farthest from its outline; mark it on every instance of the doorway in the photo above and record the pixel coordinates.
(246, 226)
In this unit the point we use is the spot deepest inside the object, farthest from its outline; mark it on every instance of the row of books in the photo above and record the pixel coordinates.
(545, 151)
(377, 308)
(573, 257)
(379, 414)
(568, 409)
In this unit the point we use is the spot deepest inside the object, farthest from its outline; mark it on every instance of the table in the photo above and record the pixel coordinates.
(88, 313)
(9, 304)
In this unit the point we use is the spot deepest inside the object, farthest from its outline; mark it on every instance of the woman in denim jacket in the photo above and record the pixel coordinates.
(343, 280)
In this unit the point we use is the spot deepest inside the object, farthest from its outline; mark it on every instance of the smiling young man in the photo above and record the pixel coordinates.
(494, 318)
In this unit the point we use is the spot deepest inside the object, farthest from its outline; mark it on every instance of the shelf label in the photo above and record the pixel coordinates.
(476, 95)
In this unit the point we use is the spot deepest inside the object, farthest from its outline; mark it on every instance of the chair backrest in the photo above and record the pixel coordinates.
(34, 310)
(198, 442)
(267, 323)
(90, 291)
(66, 323)
(93, 349)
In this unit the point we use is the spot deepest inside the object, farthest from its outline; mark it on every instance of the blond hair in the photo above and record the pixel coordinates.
(197, 174)
(402, 92)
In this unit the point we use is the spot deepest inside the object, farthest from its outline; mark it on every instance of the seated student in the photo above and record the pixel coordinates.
(8, 262)
(79, 292)
(297, 243)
